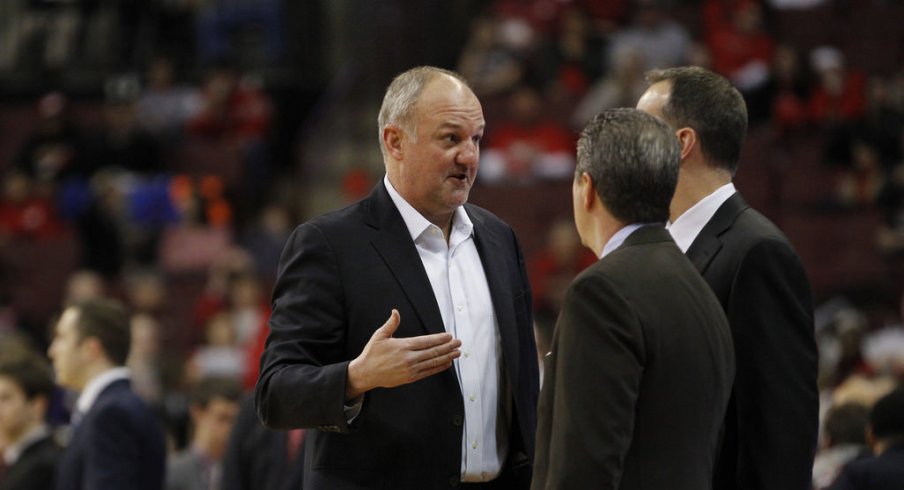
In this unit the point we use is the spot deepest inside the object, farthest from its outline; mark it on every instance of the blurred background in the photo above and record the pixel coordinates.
(161, 151)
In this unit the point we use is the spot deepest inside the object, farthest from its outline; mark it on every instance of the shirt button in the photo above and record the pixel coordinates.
(454, 481)
(472, 397)
(460, 307)
(474, 445)
(467, 353)
(457, 420)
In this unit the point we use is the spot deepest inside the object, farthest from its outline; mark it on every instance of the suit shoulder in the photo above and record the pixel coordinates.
(348, 216)
(485, 217)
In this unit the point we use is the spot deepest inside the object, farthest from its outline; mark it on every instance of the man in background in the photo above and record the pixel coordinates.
(640, 371)
(117, 441)
(769, 436)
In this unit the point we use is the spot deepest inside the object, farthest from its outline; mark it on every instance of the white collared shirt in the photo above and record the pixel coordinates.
(460, 286)
(12, 453)
(97, 384)
(686, 228)
(619, 237)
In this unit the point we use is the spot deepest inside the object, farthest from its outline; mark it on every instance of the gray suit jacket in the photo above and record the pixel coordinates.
(639, 375)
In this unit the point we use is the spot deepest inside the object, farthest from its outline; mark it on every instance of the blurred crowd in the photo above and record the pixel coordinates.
(162, 193)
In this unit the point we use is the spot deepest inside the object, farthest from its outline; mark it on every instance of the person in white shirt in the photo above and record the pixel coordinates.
(117, 441)
(442, 393)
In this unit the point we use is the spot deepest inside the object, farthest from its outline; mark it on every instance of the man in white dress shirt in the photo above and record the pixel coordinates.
(443, 394)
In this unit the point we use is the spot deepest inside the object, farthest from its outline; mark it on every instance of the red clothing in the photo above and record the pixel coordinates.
(246, 114)
(33, 217)
(732, 50)
(848, 105)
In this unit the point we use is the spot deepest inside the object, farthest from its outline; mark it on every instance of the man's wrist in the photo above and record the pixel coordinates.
(354, 386)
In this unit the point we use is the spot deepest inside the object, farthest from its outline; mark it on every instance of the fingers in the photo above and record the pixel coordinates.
(425, 342)
(436, 365)
(435, 352)
(391, 325)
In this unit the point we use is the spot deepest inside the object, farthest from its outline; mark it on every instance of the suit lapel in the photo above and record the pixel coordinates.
(393, 243)
(707, 244)
(500, 290)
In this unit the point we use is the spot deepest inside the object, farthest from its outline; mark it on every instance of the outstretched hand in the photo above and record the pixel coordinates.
(387, 362)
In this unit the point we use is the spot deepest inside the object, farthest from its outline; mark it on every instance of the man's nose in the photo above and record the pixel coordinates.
(469, 154)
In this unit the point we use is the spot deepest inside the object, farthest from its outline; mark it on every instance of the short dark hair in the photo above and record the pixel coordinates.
(108, 321)
(710, 105)
(31, 372)
(887, 416)
(213, 387)
(632, 158)
(846, 423)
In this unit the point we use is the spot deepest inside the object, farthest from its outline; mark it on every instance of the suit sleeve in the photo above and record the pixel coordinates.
(303, 367)
(771, 315)
(597, 363)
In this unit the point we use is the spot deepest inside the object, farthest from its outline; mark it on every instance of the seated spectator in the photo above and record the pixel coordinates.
(165, 106)
(24, 213)
(787, 92)
(232, 107)
(844, 440)
(622, 86)
(839, 94)
(121, 144)
(213, 407)
(266, 238)
(54, 151)
(144, 359)
(220, 355)
(572, 56)
(661, 41)
(29, 451)
(221, 22)
(885, 435)
(528, 145)
(490, 62)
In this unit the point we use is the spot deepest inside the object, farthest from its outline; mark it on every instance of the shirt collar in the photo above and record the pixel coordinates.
(97, 385)
(686, 228)
(619, 237)
(417, 224)
(12, 453)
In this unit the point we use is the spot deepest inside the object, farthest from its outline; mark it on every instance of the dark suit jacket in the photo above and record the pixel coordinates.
(885, 472)
(639, 375)
(257, 457)
(118, 444)
(35, 468)
(339, 277)
(771, 424)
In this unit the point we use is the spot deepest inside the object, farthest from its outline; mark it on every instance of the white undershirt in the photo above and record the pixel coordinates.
(685, 229)
(460, 286)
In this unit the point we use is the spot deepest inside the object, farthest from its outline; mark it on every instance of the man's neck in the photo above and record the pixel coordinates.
(693, 187)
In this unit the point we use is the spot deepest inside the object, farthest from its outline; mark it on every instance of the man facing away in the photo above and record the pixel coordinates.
(442, 393)
(640, 371)
(769, 436)
(117, 441)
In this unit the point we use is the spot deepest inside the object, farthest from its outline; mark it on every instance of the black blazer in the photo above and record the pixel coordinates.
(639, 375)
(339, 277)
(119, 443)
(771, 424)
(35, 468)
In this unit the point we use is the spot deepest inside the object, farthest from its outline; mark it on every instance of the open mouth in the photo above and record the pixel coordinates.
(461, 177)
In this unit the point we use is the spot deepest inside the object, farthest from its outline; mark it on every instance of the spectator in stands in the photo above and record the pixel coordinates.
(144, 359)
(258, 458)
(490, 63)
(233, 108)
(621, 86)
(844, 440)
(661, 41)
(121, 144)
(165, 105)
(213, 407)
(220, 355)
(572, 56)
(885, 434)
(221, 23)
(839, 95)
(83, 285)
(28, 450)
(742, 51)
(529, 145)
(54, 152)
(24, 213)
(787, 92)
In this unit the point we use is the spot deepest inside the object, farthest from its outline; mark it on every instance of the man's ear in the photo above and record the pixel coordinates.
(392, 141)
(587, 190)
(688, 139)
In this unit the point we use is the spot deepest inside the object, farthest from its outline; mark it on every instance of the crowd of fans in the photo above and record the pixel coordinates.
(168, 180)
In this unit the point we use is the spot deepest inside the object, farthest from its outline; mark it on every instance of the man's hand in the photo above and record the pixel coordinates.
(387, 362)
